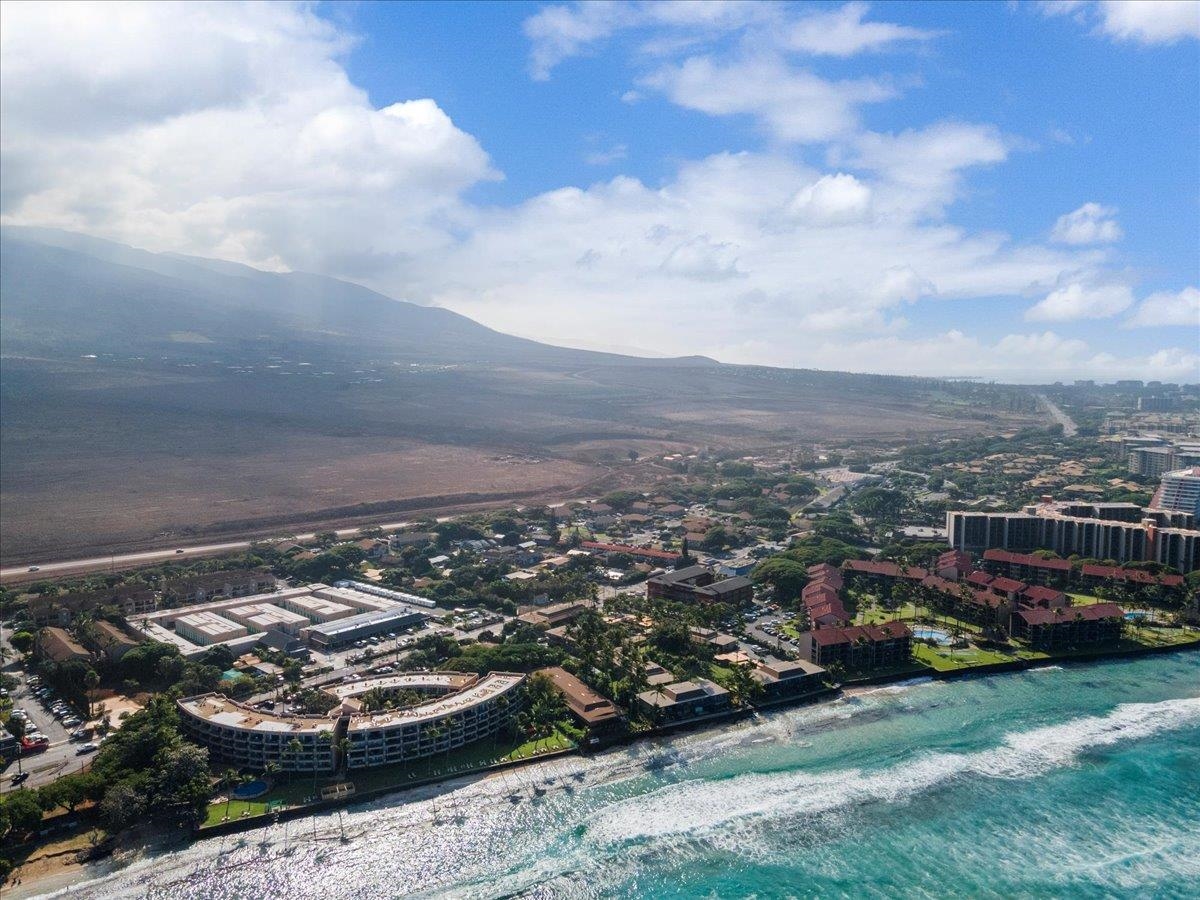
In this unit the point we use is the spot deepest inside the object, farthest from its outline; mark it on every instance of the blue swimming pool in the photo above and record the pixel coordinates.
(925, 633)
(250, 790)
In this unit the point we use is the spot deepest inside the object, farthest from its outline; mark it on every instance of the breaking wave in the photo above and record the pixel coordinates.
(697, 808)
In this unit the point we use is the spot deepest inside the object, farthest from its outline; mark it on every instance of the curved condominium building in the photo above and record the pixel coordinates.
(463, 708)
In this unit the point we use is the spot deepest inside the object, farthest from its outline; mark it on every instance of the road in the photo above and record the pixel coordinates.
(1070, 429)
(129, 560)
(122, 561)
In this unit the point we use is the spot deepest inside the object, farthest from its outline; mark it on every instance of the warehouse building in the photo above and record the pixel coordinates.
(338, 633)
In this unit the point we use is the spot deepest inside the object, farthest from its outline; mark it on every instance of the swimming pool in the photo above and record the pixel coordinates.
(249, 791)
(925, 633)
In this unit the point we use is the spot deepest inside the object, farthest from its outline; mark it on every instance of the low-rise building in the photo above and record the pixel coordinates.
(1061, 627)
(266, 617)
(200, 588)
(205, 627)
(783, 680)
(557, 614)
(56, 644)
(339, 632)
(464, 709)
(112, 641)
(594, 711)
(858, 647)
(684, 700)
(699, 584)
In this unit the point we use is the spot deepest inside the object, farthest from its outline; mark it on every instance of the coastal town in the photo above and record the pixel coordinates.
(223, 693)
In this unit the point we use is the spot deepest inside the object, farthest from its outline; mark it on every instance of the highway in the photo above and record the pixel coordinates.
(1070, 429)
(130, 560)
(121, 561)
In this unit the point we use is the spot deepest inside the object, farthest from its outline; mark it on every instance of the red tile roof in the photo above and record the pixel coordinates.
(1087, 613)
(1038, 594)
(956, 558)
(833, 635)
(1138, 576)
(884, 568)
(980, 578)
(1006, 585)
(1027, 559)
(818, 593)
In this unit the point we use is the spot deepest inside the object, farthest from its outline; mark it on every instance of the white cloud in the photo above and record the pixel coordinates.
(1078, 300)
(220, 129)
(922, 168)
(613, 154)
(1145, 22)
(1168, 308)
(832, 200)
(558, 33)
(1090, 224)
(794, 105)
(1020, 358)
(720, 257)
(1161, 22)
(842, 32)
(234, 131)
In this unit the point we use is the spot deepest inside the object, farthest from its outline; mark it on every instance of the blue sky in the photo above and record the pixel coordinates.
(1004, 189)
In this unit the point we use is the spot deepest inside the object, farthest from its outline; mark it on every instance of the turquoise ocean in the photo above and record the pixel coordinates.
(1081, 781)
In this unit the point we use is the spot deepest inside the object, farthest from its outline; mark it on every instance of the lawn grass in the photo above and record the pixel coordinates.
(944, 660)
(459, 762)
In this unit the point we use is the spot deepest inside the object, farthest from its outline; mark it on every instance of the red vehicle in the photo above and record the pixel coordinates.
(28, 746)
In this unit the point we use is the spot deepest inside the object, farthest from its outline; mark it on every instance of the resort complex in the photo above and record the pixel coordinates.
(462, 709)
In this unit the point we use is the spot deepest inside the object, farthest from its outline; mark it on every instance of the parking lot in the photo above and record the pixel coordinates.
(62, 755)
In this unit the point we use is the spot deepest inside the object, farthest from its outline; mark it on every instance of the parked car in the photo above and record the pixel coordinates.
(19, 778)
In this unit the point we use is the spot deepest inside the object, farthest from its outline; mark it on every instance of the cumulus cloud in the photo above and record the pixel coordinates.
(842, 32)
(1078, 300)
(1090, 224)
(835, 199)
(793, 104)
(735, 250)
(234, 131)
(1180, 308)
(557, 33)
(221, 129)
(922, 168)
(1145, 22)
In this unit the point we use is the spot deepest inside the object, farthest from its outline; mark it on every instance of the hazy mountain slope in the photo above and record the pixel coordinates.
(84, 295)
(144, 396)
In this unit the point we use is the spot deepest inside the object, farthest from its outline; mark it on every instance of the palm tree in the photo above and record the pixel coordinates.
(91, 680)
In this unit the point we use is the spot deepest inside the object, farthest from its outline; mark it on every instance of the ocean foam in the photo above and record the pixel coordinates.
(700, 807)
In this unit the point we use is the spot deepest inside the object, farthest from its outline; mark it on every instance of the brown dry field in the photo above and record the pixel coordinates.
(125, 503)
(99, 458)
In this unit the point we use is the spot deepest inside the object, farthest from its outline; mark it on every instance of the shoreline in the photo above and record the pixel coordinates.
(65, 872)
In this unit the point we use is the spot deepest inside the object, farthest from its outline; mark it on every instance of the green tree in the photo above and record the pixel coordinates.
(23, 810)
(786, 576)
(22, 641)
